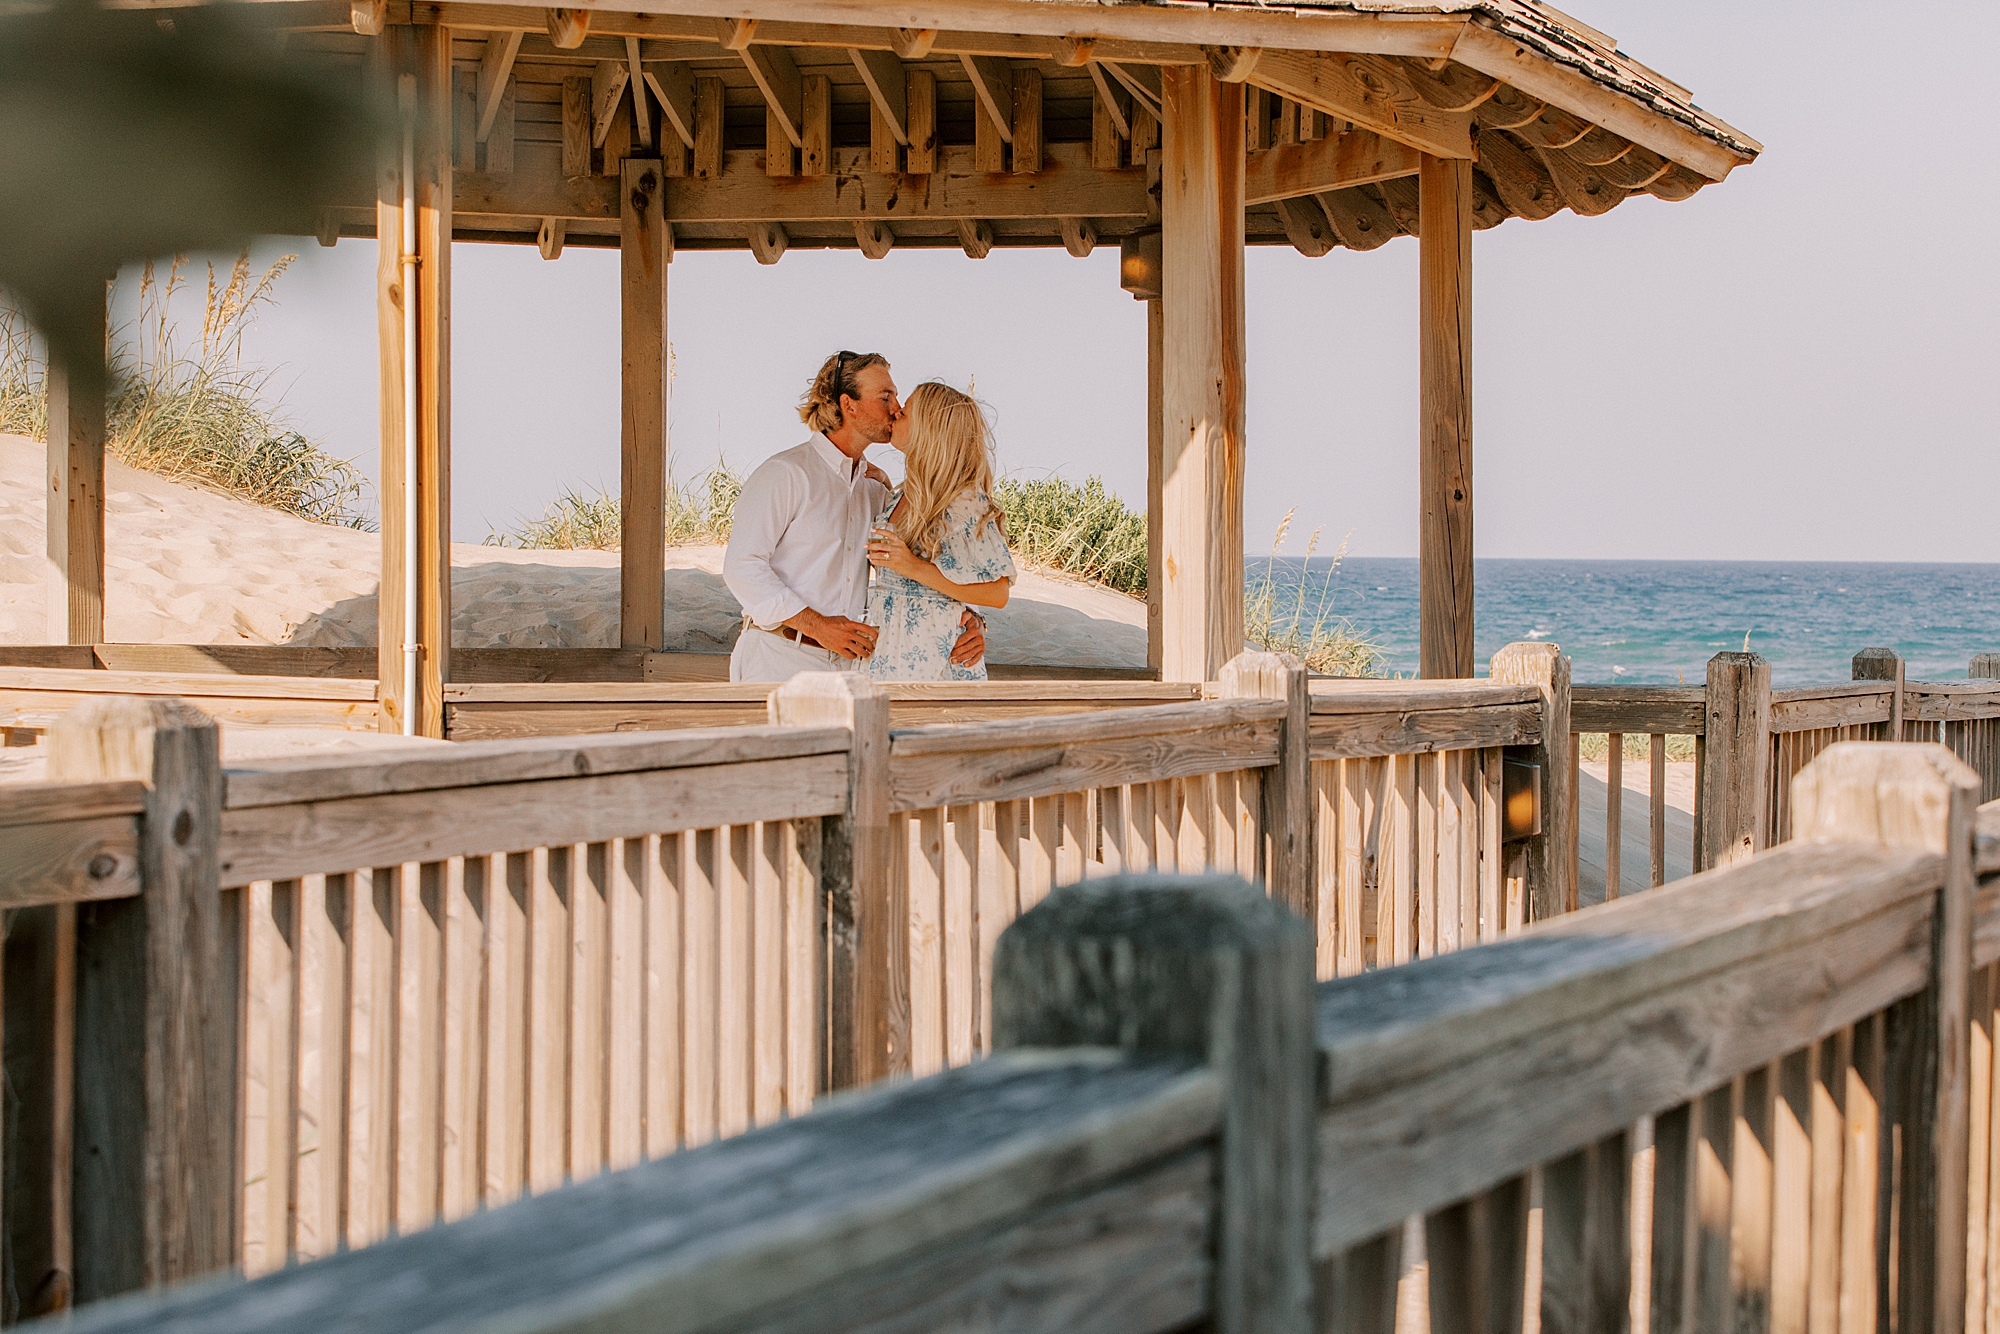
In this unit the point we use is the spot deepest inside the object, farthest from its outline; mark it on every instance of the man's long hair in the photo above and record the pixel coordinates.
(948, 452)
(820, 408)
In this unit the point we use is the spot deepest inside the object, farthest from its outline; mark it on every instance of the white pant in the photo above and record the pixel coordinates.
(760, 655)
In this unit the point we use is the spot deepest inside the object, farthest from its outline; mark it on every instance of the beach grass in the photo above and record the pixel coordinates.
(1282, 614)
(1086, 532)
(1595, 747)
(189, 409)
(701, 511)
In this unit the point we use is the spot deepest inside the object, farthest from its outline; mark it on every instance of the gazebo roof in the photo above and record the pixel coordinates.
(1344, 96)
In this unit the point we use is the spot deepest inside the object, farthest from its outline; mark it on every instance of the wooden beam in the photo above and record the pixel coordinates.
(426, 52)
(1583, 188)
(494, 67)
(993, 82)
(73, 528)
(1156, 522)
(816, 142)
(767, 241)
(1306, 227)
(736, 34)
(777, 77)
(1142, 81)
(1359, 218)
(1374, 93)
(549, 239)
(642, 121)
(1027, 120)
(496, 155)
(959, 188)
(1332, 163)
(673, 88)
(920, 87)
(1202, 390)
(607, 88)
(708, 125)
(645, 248)
(874, 238)
(912, 43)
(1114, 103)
(1445, 449)
(1079, 237)
(576, 127)
(975, 237)
(568, 27)
(1520, 179)
(1074, 52)
(887, 82)
(368, 17)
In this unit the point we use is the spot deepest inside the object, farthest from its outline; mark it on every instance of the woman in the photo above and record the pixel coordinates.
(940, 547)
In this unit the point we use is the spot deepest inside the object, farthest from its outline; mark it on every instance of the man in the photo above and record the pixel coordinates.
(798, 545)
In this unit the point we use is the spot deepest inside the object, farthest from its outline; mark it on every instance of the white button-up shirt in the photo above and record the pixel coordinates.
(800, 535)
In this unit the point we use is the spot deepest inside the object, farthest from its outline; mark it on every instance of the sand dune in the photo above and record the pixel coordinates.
(189, 566)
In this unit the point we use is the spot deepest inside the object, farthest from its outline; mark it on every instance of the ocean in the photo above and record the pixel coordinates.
(1659, 622)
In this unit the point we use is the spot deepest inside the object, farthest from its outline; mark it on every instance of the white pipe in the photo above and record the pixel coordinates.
(406, 95)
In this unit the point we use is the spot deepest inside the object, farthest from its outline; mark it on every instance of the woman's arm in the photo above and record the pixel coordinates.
(888, 551)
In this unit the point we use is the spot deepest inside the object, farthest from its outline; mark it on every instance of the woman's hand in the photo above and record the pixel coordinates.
(888, 551)
(875, 474)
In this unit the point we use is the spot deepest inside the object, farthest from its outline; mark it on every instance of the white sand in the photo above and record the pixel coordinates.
(1635, 865)
(188, 566)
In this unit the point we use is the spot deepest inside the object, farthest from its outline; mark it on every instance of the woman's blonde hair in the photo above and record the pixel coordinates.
(948, 452)
(838, 374)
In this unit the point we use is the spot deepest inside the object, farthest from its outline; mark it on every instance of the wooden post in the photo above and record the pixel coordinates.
(1287, 855)
(1883, 664)
(867, 987)
(425, 53)
(1736, 777)
(1983, 667)
(155, 1068)
(646, 247)
(74, 500)
(40, 995)
(1917, 796)
(1203, 968)
(1201, 219)
(1155, 520)
(1550, 867)
(1444, 195)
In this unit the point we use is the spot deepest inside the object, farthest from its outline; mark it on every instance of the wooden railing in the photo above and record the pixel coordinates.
(1761, 1096)
(451, 977)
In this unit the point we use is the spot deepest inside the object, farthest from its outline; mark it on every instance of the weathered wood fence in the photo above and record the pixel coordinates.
(1763, 1095)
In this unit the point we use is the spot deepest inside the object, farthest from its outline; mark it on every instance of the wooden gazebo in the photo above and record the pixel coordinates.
(1178, 132)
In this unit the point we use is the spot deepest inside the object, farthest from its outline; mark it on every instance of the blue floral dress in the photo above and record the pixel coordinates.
(919, 625)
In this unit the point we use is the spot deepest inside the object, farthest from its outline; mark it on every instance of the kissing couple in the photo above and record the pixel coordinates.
(812, 520)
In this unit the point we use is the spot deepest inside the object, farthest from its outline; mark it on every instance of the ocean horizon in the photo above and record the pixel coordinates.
(1658, 622)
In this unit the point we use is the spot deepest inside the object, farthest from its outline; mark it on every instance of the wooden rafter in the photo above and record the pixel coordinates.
(1114, 105)
(673, 88)
(882, 72)
(777, 77)
(607, 88)
(494, 68)
(1374, 93)
(567, 27)
(993, 82)
(1330, 163)
(636, 76)
(1141, 81)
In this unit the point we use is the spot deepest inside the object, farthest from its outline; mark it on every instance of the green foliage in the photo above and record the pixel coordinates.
(1596, 746)
(698, 512)
(1083, 531)
(193, 412)
(1277, 615)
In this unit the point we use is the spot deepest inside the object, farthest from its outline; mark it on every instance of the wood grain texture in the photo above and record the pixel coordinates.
(1332, 163)
(282, 781)
(1660, 710)
(1369, 91)
(155, 1062)
(1202, 384)
(912, 1200)
(645, 247)
(1352, 736)
(73, 528)
(867, 907)
(1736, 773)
(1212, 971)
(70, 861)
(279, 842)
(1445, 1077)
(1285, 820)
(1445, 449)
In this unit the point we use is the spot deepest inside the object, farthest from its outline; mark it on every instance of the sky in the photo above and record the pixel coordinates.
(1796, 364)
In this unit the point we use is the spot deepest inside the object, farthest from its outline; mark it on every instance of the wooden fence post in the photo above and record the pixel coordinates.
(1209, 969)
(1736, 777)
(866, 912)
(1551, 863)
(155, 1163)
(1883, 664)
(1984, 666)
(1917, 796)
(1287, 815)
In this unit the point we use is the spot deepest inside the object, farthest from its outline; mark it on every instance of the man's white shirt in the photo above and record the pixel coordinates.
(799, 537)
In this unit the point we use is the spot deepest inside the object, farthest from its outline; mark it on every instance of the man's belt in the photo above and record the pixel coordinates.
(797, 636)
